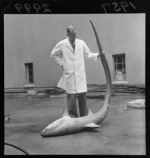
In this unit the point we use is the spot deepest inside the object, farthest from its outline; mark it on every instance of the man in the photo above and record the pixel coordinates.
(69, 54)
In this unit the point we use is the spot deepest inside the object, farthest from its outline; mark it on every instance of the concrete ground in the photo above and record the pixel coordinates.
(121, 133)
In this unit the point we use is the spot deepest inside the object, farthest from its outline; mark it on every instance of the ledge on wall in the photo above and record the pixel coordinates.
(30, 89)
(120, 82)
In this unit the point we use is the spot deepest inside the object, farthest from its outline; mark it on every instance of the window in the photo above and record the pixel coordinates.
(29, 73)
(119, 67)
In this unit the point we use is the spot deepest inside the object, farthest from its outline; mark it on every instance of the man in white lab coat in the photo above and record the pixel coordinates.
(69, 54)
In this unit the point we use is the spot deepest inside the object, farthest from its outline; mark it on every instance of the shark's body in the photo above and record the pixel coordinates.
(67, 124)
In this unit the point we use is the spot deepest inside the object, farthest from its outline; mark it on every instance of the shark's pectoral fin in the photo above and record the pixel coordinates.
(90, 112)
(93, 125)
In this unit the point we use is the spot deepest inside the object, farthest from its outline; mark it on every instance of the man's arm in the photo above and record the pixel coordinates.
(57, 54)
(89, 54)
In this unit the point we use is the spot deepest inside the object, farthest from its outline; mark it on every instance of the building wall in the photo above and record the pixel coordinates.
(30, 38)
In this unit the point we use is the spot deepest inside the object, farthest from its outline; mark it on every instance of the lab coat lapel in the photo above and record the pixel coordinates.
(68, 44)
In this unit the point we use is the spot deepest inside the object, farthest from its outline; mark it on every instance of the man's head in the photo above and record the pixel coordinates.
(71, 33)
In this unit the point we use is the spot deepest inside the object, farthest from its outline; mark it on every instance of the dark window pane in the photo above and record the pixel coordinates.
(30, 66)
(119, 59)
(30, 73)
(119, 67)
(30, 80)
(123, 58)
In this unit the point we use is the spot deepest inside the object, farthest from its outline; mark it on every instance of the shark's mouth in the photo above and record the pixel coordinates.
(68, 125)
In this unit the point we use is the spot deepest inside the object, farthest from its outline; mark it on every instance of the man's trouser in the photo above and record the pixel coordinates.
(72, 106)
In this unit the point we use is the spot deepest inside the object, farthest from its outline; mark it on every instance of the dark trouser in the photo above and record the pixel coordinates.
(72, 106)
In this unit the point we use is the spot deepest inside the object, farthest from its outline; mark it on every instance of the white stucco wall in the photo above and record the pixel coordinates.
(30, 38)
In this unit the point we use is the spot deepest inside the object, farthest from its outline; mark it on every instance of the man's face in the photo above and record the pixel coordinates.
(72, 36)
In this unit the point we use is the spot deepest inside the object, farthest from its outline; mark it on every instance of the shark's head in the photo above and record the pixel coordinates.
(62, 126)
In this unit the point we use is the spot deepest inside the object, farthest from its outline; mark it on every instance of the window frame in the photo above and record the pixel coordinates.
(29, 73)
(119, 62)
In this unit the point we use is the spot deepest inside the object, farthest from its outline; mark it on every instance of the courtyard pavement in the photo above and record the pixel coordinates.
(121, 133)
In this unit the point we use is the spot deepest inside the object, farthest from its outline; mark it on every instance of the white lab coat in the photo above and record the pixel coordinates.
(73, 79)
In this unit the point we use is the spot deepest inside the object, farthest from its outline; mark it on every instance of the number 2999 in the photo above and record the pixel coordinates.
(34, 8)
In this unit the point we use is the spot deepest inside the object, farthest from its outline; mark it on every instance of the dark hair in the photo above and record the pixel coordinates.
(70, 28)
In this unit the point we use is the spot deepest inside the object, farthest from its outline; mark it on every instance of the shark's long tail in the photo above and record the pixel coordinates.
(68, 125)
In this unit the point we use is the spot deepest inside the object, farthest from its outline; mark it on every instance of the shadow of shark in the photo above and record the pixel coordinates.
(68, 125)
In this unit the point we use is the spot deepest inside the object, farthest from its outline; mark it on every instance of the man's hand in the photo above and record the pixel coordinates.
(98, 56)
(103, 52)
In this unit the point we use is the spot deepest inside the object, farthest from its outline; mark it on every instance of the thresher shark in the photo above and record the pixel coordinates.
(69, 125)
